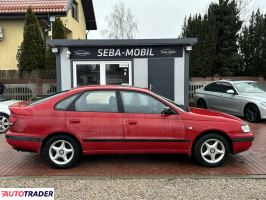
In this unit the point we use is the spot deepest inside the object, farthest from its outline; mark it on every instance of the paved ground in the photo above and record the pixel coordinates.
(166, 188)
(252, 162)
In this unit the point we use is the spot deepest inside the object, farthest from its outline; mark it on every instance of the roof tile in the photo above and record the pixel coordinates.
(38, 6)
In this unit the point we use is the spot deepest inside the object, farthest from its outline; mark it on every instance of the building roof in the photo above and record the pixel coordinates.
(38, 6)
(10, 9)
(130, 42)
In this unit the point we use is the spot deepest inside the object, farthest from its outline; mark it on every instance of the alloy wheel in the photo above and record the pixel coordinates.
(251, 113)
(4, 124)
(61, 152)
(212, 151)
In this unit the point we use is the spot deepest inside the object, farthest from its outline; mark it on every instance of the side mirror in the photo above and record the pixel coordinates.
(230, 91)
(167, 111)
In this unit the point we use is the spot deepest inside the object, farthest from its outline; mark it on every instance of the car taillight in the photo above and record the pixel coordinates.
(12, 120)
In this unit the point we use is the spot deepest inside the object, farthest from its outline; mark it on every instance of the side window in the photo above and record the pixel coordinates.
(135, 102)
(213, 87)
(97, 101)
(225, 87)
(74, 10)
(64, 104)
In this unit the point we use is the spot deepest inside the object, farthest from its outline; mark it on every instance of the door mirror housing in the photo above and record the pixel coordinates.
(230, 91)
(167, 111)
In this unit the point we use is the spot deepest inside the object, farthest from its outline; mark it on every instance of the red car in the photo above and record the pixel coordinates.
(117, 119)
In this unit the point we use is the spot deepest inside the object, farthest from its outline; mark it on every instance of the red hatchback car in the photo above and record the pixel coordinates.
(117, 119)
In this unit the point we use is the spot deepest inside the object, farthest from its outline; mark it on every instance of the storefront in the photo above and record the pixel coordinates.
(159, 64)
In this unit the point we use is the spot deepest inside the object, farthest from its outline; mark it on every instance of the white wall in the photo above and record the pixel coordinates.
(179, 84)
(141, 72)
(66, 74)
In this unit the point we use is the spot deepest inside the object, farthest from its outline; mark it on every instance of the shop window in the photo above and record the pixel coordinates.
(88, 74)
(75, 10)
(117, 74)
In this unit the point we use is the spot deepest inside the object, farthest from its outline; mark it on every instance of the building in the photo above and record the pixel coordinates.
(77, 16)
(159, 64)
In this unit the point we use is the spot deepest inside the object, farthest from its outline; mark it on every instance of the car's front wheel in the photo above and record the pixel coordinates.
(61, 151)
(252, 113)
(4, 124)
(211, 150)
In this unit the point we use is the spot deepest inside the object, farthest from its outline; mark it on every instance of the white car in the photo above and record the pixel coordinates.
(241, 98)
(5, 112)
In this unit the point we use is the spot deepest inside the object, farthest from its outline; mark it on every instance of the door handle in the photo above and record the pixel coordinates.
(74, 121)
(131, 122)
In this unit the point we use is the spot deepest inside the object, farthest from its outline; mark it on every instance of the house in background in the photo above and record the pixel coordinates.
(77, 16)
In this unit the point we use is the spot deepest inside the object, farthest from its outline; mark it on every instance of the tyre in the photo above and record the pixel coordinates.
(62, 151)
(4, 124)
(202, 104)
(252, 113)
(211, 150)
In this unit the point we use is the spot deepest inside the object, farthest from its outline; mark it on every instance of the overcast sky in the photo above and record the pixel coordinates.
(157, 18)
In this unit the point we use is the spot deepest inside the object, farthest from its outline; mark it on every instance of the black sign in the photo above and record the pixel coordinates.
(125, 52)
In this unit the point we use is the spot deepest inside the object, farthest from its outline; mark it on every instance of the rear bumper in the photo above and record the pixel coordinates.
(24, 142)
(242, 143)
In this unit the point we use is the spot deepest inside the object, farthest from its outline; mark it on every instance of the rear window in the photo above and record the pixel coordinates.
(35, 102)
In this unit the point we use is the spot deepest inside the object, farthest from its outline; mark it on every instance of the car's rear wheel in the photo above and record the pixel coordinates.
(62, 151)
(202, 104)
(4, 124)
(252, 113)
(211, 150)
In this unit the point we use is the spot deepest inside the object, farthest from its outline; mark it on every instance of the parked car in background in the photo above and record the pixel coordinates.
(5, 112)
(240, 98)
(117, 119)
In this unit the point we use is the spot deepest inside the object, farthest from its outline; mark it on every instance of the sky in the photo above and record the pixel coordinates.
(158, 18)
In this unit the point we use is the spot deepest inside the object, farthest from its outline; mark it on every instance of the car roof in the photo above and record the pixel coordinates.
(234, 81)
(109, 87)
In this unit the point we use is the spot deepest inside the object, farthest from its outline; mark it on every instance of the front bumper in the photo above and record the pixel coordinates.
(242, 142)
(24, 142)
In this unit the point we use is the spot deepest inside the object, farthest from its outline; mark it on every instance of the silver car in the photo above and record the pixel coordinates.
(241, 98)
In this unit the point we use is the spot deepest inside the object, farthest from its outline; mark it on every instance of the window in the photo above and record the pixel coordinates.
(74, 10)
(88, 74)
(226, 86)
(117, 74)
(40, 100)
(213, 87)
(249, 87)
(63, 105)
(97, 101)
(135, 102)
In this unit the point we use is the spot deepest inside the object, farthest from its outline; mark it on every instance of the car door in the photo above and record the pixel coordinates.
(212, 95)
(146, 129)
(228, 103)
(95, 118)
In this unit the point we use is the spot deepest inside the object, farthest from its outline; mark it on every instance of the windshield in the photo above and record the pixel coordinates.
(249, 87)
(183, 107)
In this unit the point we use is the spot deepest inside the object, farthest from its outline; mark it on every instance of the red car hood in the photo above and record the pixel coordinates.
(209, 115)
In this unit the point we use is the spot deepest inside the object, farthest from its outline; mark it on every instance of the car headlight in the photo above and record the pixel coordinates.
(263, 104)
(245, 128)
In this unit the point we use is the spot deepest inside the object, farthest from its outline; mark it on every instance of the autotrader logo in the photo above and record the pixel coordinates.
(27, 193)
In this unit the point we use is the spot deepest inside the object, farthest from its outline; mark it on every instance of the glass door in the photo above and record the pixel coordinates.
(118, 73)
(102, 73)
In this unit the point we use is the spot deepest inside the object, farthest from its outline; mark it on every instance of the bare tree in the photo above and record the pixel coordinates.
(121, 23)
(245, 8)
